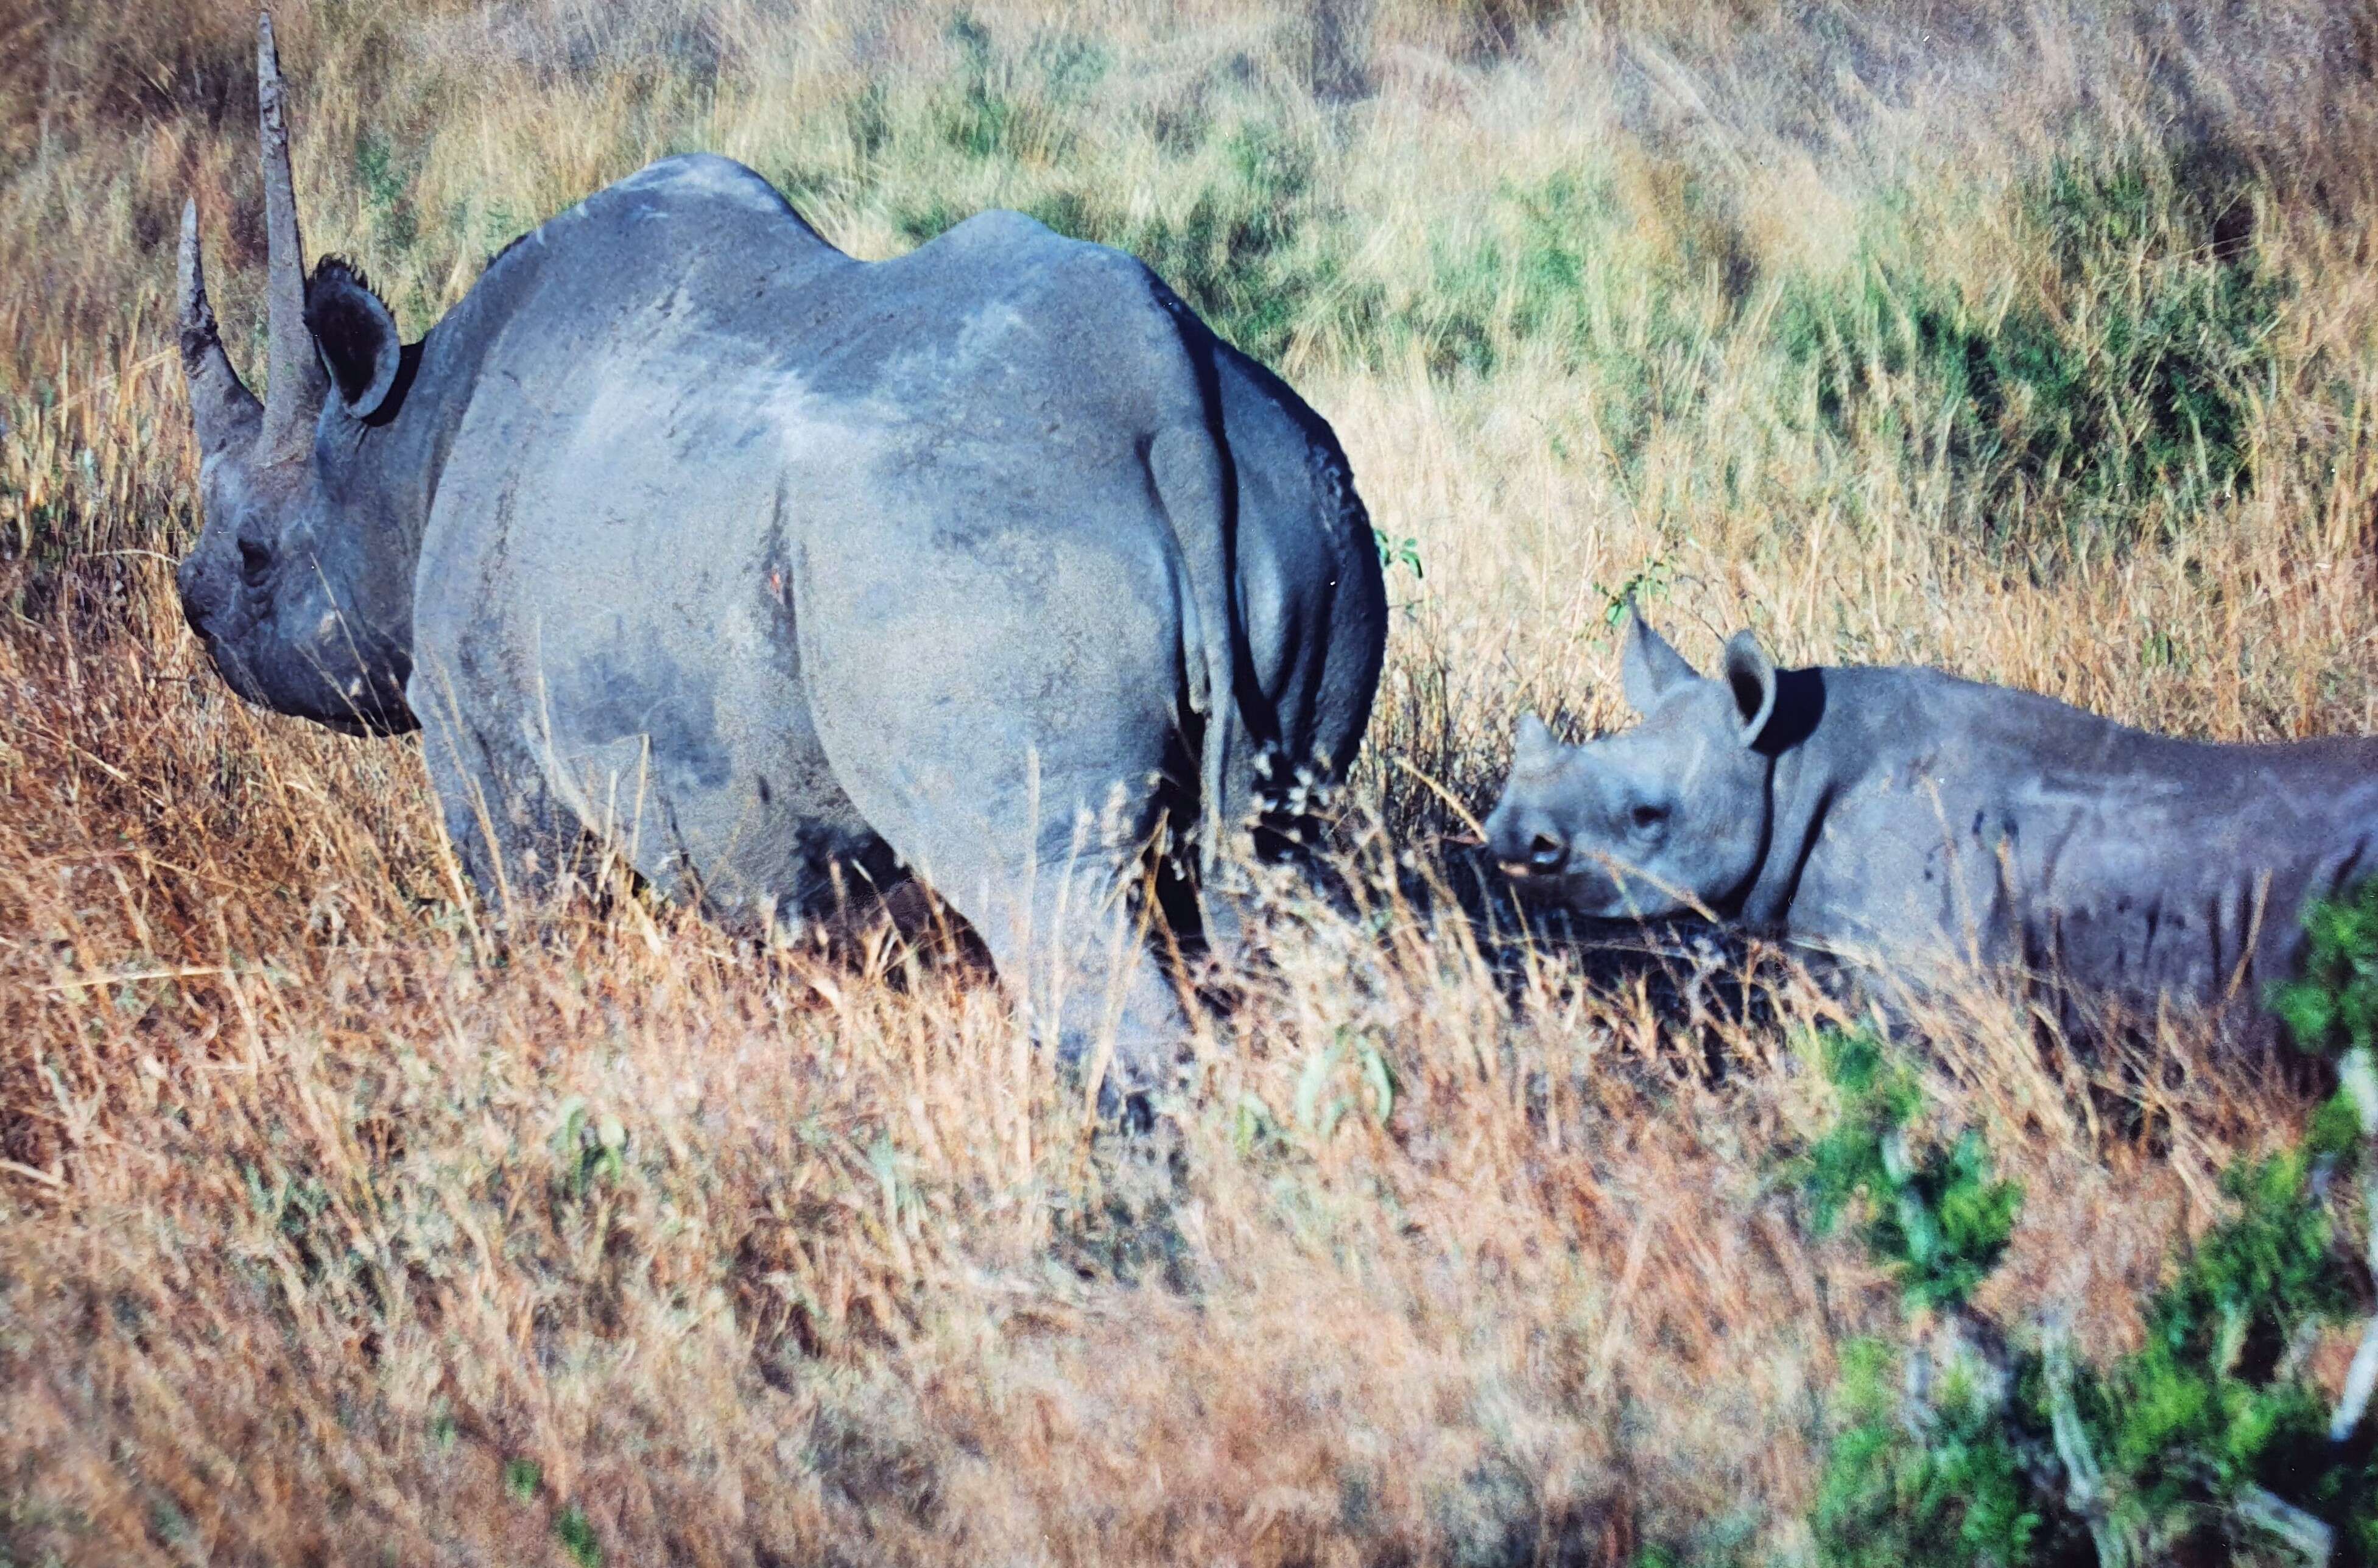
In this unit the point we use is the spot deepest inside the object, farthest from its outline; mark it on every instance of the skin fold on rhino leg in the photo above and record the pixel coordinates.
(1072, 940)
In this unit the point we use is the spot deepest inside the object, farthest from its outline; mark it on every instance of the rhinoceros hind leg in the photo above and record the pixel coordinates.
(1055, 889)
(1016, 741)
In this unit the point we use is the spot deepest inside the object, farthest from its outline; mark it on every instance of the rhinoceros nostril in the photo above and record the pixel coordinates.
(189, 586)
(254, 561)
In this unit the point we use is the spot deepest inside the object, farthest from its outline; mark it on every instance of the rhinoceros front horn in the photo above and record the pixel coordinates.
(1534, 745)
(293, 394)
(221, 408)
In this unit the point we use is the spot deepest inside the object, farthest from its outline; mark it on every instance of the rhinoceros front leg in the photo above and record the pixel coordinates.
(499, 816)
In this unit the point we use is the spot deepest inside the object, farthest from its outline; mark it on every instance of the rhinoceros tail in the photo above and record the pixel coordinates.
(1186, 468)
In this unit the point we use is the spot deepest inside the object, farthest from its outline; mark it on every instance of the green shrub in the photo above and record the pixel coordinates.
(2332, 1008)
(2157, 376)
(1238, 230)
(2108, 386)
(2209, 1443)
(1242, 251)
(2214, 1405)
(1527, 272)
(1940, 1222)
(1023, 110)
(1954, 1492)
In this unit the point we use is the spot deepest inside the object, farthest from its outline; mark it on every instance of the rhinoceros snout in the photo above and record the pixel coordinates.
(207, 598)
(186, 583)
(1542, 854)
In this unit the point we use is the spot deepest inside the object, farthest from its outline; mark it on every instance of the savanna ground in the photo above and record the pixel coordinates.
(2033, 342)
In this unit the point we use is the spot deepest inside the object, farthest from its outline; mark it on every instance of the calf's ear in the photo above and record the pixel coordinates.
(355, 336)
(1649, 669)
(1750, 675)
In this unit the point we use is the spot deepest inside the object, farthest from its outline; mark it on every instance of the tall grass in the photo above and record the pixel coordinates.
(2035, 342)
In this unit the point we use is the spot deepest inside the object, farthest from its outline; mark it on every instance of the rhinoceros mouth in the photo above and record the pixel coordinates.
(231, 665)
(1612, 892)
(375, 710)
(1562, 884)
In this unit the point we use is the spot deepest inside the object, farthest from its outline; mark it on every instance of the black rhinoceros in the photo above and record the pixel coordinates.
(1921, 822)
(766, 564)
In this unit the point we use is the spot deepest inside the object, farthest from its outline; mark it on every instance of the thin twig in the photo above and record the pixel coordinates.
(2359, 1078)
(2084, 1481)
(2311, 1538)
(46, 1177)
(180, 971)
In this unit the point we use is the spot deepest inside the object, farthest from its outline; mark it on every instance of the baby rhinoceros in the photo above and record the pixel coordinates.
(1916, 822)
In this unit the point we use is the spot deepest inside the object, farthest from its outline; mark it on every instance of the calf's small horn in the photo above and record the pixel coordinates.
(294, 393)
(1534, 746)
(221, 408)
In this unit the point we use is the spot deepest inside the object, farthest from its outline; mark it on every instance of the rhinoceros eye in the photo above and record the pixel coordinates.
(1646, 816)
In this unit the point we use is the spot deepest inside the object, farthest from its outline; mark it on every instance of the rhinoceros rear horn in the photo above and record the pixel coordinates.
(292, 393)
(1750, 676)
(222, 409)
(356, 334)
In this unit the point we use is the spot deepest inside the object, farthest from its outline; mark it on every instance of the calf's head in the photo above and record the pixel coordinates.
(1667, 816)
(298, 584)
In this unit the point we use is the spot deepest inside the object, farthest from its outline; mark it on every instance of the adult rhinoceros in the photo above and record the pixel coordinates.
(1924, 823)
(763, 563)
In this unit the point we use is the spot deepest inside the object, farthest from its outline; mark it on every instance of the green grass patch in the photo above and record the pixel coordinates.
(2118, 390)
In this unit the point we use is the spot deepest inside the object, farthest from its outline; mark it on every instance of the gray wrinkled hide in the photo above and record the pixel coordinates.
(772, 567)
(1926, 823)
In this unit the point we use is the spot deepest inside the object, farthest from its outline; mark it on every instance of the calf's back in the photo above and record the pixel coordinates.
(1925, 816)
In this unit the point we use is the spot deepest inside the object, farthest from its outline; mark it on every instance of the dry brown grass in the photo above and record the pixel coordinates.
(333, 1229)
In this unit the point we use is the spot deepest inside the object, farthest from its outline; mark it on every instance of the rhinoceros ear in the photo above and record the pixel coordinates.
(1649, 669)
(1750, 675)
(355, 335)
(1535, 745)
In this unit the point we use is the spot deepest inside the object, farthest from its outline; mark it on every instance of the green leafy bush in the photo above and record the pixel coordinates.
(1940, 1221)
(2105, 386)
(2332, 1008)
(2211, 1423)
(1242, 252)
(1249, 246)
(1968, 1444)
(1955, 1491)
(995, 108)
(1926, 1467)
